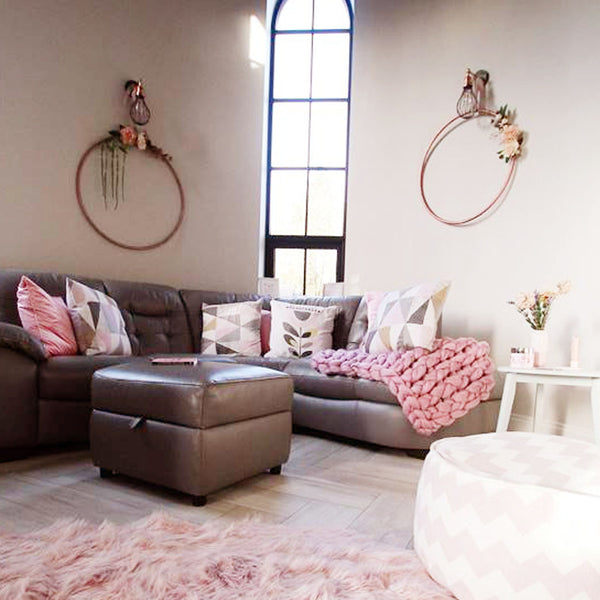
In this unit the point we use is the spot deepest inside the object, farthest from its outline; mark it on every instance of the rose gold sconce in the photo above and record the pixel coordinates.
(472, 95)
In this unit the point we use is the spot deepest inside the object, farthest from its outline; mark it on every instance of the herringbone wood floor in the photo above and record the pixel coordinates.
(326, 483)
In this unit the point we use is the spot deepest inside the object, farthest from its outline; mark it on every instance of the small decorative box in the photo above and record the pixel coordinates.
(521, 358)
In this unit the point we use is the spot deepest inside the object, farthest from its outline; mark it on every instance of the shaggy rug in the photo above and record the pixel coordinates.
(163, 558)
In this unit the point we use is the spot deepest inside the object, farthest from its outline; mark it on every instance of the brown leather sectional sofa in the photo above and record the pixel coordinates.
(47, 401)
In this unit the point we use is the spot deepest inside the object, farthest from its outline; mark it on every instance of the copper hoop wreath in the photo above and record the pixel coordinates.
(433, 145)
(101, 233)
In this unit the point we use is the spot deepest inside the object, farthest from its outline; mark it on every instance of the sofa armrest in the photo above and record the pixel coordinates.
(16, 338)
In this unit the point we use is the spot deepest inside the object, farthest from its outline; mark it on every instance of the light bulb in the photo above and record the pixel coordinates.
(139, 112)
(467, 106)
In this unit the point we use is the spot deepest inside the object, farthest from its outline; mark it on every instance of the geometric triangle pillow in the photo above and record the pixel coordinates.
(232, 328)
(97, 321)
(404, 319)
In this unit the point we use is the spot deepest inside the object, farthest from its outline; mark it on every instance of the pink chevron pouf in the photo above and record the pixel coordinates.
(162, 558)
(511, 516)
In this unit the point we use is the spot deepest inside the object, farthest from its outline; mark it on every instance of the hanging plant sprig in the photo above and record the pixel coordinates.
(113, 157)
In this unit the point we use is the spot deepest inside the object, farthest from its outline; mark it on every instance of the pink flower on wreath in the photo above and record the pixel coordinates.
(142, 140)
(128, 136)
(511, 141)
(511, 132)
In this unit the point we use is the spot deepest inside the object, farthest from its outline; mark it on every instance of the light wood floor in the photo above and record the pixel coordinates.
(326, 483)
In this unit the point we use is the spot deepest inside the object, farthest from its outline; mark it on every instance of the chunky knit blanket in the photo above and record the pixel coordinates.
(434, 387)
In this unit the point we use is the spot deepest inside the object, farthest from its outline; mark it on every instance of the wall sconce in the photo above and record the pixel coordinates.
(470, 100)
(139, 111)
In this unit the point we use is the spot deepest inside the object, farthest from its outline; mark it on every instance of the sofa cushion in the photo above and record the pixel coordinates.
(193, 300)
(310, 382)
(405, 318)
(347, 306)
(154, 317)
(46, 318)
(232, 328)
(68, 378)
(300, 330)
(97, 320)
(53, 283)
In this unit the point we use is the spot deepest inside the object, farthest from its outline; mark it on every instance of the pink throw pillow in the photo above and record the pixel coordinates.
(46, 318)
(265, 331)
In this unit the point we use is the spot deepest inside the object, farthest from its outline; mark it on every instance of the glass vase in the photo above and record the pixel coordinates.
(539, 344)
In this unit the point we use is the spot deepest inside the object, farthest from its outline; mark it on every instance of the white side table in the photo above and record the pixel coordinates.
(554, 376)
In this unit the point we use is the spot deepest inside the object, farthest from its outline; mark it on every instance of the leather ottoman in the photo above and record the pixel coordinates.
(195, 428)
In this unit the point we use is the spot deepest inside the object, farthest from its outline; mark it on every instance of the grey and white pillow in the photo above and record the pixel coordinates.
(231, 328)
(300, 330)
(97, 321)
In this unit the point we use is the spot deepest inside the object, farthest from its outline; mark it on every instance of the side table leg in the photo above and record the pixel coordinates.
(537, 406)
(506, 404)
(595, 398)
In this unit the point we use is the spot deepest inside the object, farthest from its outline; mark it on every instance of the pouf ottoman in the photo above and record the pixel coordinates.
(511, 516)
(194, 428)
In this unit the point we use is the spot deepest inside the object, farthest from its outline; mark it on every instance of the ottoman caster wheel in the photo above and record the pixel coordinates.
(275, 470)
(105, 473)
(198, 500)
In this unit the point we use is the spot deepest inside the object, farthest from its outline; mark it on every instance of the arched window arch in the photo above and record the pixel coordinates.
(307, 154)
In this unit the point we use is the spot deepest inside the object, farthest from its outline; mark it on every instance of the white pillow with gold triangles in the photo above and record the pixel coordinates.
(404, 319)
(232, 328)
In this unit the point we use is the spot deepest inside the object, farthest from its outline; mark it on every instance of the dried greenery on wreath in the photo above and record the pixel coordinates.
(113, 156)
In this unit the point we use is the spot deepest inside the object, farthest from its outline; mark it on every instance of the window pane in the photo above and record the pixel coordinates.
(328, 134)
(295, 14)
(331, 65)
(331, 14)
(326, 191)
(287, 205)
(289, 139)
(289, 269)
(320, 269)
(291, 76)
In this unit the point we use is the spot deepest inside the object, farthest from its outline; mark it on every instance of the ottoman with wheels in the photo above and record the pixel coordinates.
(193, 428)
(509, 516)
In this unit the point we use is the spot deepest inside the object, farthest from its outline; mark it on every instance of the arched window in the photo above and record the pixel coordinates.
(307, 155)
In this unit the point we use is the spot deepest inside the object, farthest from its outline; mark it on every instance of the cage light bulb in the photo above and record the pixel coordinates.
(467, 105)
(139, 112)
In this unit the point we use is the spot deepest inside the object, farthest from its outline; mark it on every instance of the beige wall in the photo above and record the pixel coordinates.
(408, 66)
(62, 65)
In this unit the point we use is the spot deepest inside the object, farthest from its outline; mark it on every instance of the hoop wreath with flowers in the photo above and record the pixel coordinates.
(113, 156)
(511, 142)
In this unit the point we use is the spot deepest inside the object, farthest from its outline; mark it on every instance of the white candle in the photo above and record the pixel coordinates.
(574, 352)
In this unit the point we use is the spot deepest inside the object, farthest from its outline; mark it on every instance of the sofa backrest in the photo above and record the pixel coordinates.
(154, 315)
(193, 300)
(53, 283)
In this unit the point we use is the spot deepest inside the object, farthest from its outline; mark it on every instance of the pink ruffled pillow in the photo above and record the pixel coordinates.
(46, 317)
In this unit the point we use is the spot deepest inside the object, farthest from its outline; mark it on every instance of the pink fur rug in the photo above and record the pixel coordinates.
(162, 558)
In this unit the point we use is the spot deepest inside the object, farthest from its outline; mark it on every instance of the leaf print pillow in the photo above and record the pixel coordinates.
(299, 330)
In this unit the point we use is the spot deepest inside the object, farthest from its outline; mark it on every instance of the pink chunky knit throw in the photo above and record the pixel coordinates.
(434, 387)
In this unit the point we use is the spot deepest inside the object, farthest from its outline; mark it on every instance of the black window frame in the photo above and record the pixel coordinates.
(306, 242)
